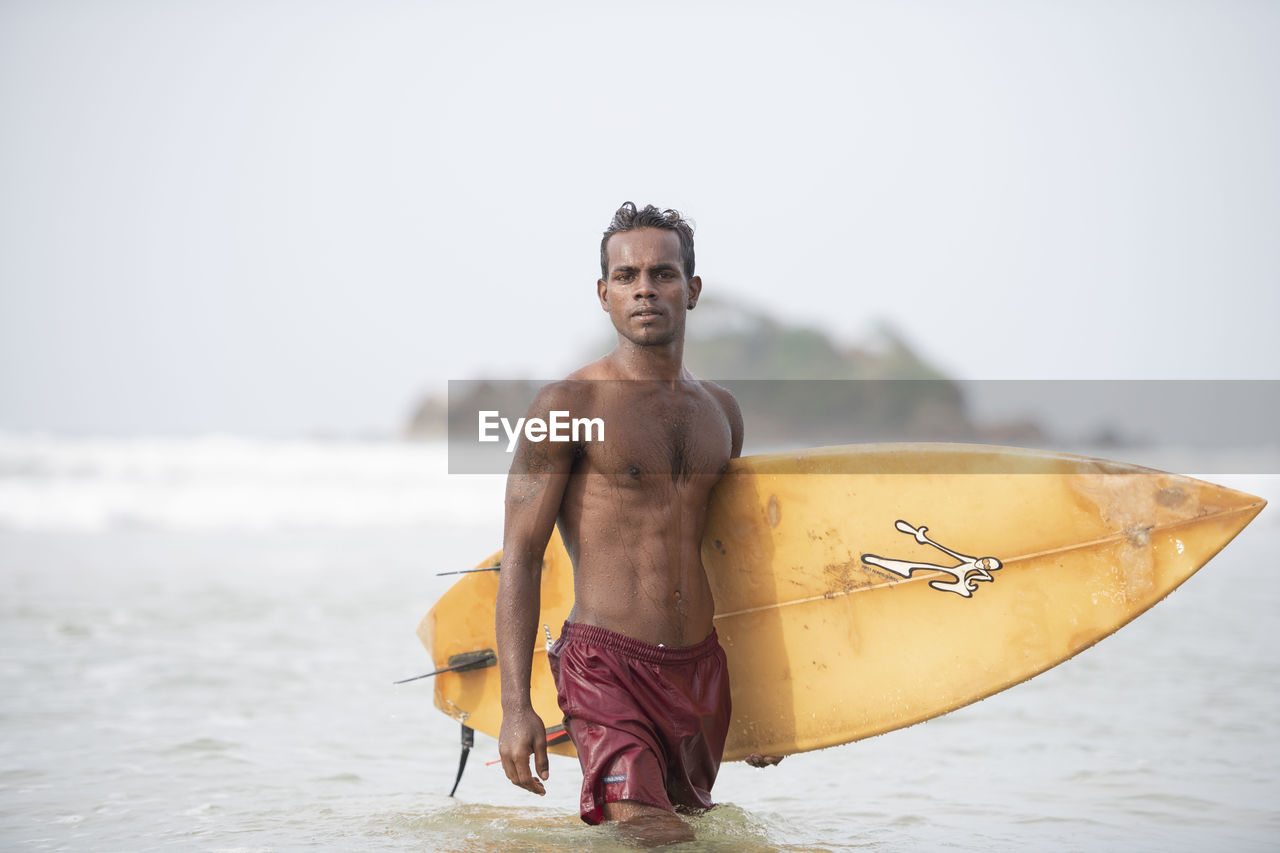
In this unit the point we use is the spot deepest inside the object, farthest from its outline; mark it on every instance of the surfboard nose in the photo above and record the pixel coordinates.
(1229, 509)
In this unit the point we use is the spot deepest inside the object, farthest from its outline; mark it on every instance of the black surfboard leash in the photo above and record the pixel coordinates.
(468, 741)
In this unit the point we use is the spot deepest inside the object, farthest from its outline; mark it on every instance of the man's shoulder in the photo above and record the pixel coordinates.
(596, 371)
(574, 391)
(722, 395)
(732, 411)
(561, 394)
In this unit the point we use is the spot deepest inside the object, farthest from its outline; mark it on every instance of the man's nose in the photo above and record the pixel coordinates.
(645, 288)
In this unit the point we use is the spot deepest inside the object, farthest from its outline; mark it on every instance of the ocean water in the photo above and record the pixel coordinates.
(198, 639)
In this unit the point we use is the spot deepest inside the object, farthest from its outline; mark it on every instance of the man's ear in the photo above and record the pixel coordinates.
(601, 290)
(695, 289)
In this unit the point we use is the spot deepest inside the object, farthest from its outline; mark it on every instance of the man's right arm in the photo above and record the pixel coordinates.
(535, 487)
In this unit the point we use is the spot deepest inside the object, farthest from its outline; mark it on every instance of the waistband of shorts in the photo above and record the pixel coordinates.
(593, 635)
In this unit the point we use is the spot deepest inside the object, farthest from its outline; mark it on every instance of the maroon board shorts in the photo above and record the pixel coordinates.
(649, 722)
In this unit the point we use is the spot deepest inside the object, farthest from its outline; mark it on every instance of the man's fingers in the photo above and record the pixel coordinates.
(509, 767)
(526, 779)
(540, 757)
(518, 773)
(523, 737)
(755, 759)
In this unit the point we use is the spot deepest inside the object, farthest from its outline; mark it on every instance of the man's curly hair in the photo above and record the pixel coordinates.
(628, 218)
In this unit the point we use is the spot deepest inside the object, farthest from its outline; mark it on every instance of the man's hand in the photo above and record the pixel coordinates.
(522, 735)
(755, 759)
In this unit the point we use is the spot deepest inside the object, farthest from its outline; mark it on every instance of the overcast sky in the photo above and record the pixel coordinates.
(297, 216)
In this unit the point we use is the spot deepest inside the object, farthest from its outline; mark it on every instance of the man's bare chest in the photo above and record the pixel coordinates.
(648, 437)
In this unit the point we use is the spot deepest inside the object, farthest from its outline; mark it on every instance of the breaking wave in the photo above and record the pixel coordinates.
(232, 482)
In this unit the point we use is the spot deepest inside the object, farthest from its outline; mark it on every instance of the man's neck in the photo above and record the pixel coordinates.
(661, 363)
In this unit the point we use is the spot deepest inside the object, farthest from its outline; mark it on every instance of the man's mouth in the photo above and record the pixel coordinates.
(647, 312)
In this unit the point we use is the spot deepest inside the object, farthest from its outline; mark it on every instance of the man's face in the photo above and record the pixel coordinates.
(646, 292)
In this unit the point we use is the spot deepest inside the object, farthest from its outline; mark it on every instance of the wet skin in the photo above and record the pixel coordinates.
(631, 508)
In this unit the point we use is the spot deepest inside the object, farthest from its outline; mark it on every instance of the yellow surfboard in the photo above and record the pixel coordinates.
(865, 588)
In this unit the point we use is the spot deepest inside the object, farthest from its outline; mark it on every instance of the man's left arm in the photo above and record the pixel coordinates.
(733, 413)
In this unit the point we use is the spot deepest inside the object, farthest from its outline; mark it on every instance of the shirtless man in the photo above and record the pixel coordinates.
(640, 675)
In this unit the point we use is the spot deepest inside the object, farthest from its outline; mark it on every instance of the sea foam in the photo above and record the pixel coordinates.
(231, 482)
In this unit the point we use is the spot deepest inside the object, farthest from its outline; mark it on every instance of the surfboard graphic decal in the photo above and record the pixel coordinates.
(966, 575)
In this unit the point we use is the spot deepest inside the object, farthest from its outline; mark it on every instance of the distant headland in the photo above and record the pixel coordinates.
(796, 385)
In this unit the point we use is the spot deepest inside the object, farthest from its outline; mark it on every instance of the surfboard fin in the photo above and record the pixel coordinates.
(460, 663)
(469, 571)
(468, 741)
